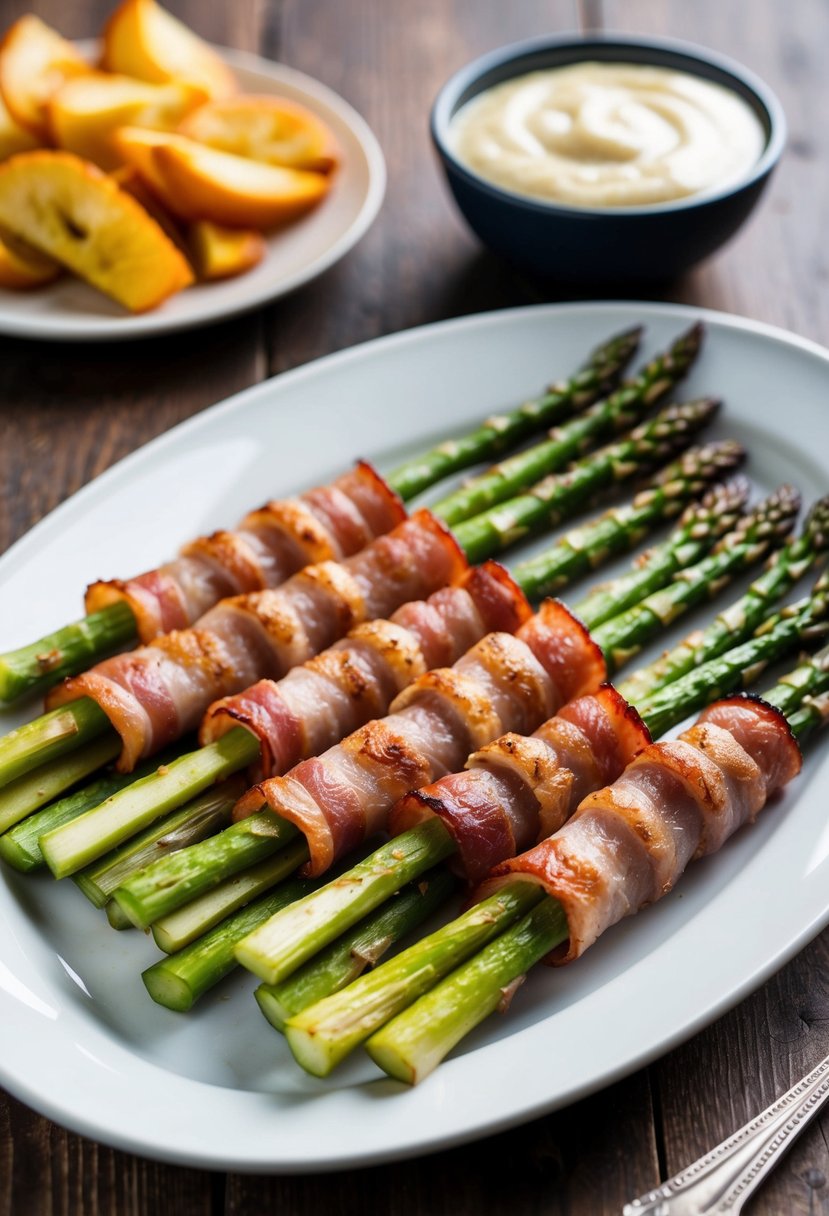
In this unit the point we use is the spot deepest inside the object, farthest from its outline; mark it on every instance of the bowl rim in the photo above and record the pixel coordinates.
(443, 110)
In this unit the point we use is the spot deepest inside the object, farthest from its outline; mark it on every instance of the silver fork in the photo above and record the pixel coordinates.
(721, 1181)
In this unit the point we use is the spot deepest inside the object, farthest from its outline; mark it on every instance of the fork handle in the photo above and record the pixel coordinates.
(721, 1181)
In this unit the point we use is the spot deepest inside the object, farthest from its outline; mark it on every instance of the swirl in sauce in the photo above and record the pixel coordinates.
(608, 135)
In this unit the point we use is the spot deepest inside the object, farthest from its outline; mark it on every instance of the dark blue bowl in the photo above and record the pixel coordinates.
(609, 244)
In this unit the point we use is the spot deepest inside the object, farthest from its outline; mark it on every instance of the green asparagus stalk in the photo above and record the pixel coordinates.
(558, 497)
(505, 431)
(413, 1043)
(77, 646)
(181, 979)
(353, 953)
(699, 528)
(20, 846)
(173, 932)
(812, 715)
(35, 667)
(737, 622)
(116, 917)
(321, 1034)
(615, 414)
(178, 981)
(171, 882)
(32, 790)
(199, 818)
(278, 947)
(624, 635)
(620, 529)
(799, 686)
(804, 621)
(78, 843)
(48, 737)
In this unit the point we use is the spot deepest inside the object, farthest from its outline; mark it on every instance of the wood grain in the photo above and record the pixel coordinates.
(66, 413)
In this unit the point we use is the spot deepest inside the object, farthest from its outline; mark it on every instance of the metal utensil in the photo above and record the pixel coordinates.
(721, 1181)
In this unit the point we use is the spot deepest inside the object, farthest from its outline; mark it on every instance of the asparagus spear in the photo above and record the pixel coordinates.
(615, 414)
(170, 882)
(558, 497)
(775, 638)
(504, 431)
(76, 844)
(278, 947)
(173, 932)
(69, 848)
(77, 646)
(739, 620)
(48, 737)
(20, 846)
(199, 818)
(700, 526)
(621, 528)
(36, 667)
(624, 635)
(414, 1042)
(180, 980)
(48, 782)
(322, 1034)
(363, 947)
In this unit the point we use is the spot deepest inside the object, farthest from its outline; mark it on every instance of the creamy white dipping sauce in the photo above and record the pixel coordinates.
(608, 135)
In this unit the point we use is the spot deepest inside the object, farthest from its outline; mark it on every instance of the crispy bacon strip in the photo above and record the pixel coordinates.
(157, 693)
(521, 788)
(321, 701)
(269, 545)
(628, 843)
(503, 682)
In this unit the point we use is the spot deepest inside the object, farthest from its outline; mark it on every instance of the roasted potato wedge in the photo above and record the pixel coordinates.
(23, 268)
(34, 62)
(270, 129)
(142, 39)
(72, 212)
(85, 112)
(223, 253)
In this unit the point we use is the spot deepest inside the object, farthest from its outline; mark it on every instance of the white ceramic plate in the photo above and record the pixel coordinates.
(83, 1043)
(72, 310)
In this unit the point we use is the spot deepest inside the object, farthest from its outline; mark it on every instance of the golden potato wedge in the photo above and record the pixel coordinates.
(201, 183)
(34, 62)
(223, 253)
(142, 39)
(270, 129)
(135, 145)
(13, 137)
(23, 268)
(129, 179)
(72, 212)
(85, 112)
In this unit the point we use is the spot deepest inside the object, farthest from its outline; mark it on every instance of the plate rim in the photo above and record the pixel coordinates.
(481, 1124)
(154, 323)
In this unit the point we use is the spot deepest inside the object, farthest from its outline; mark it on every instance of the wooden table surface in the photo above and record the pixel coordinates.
(68, 412)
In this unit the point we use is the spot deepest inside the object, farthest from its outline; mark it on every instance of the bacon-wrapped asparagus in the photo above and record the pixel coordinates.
(272, 543)
(289, 722)
(509, 791)
(187, 664)
(625, 847)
